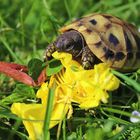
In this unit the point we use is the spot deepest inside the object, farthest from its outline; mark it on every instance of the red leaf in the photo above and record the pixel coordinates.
(14, 66)
(17, 72)
(42, 77)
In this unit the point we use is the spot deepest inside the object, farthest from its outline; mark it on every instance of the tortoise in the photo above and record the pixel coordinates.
(100, 38)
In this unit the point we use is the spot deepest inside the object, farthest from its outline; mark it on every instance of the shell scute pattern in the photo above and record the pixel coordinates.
(111, 39)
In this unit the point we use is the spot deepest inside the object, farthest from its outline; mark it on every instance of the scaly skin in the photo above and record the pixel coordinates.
(72, 42)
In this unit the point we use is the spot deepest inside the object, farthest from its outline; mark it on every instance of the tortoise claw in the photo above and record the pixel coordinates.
(87, 59)
(86, 65)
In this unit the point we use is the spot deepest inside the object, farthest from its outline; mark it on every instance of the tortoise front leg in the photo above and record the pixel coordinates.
(49, 51)
(88, 58)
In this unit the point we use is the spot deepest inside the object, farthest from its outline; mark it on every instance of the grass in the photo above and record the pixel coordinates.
(26, 28)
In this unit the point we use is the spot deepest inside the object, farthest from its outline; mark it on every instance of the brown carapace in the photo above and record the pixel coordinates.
(108, 38)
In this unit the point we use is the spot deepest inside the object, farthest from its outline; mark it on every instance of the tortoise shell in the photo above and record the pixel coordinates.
(111, 40)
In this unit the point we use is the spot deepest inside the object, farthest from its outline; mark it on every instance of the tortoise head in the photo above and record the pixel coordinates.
(71, 42)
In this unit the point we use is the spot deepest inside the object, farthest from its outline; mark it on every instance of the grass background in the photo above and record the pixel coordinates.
(26, 28)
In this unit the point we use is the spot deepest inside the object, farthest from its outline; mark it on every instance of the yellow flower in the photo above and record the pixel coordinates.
(87, 88)
(33, 114)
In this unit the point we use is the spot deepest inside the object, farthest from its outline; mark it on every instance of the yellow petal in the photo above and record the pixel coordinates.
(62, 104)
(104, 78)
(88, 95)
(58, 113)
(66, 59)
(42, 93)
(88, 85)
(32, 115)
(89, 104)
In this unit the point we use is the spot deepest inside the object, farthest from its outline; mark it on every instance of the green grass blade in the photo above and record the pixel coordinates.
(16, 126)
(64, 129)
(48, 113)
(128, 80)
(67, 9)
(52, 19)
(117, 111)
(22, 28)
(123, 7)
(15, 57)
(75, 8)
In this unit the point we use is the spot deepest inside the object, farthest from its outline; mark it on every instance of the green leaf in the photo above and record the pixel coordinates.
(20, 93)
(54, 66)
(6, 113)
(35, 67)
(7, 133)
(138, 71)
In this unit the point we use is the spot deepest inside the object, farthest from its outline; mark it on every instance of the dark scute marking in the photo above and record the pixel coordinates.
(89, 30)
(108, 25)
(98, 44)
(107, 16)
(137, 41)
(138, 55)
(108, 53)
(113, 39)
(79, 24)
(77, 19)
(119, 56)
(93, 21)
(129, 55)
(105, 49)
(128, 43)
